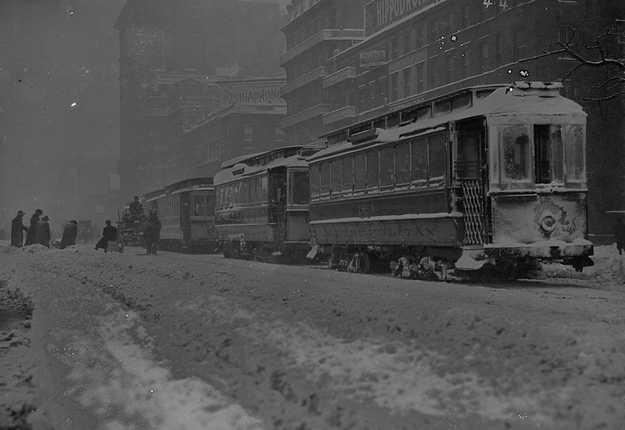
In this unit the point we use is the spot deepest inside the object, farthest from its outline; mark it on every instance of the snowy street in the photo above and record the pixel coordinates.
(173, 341)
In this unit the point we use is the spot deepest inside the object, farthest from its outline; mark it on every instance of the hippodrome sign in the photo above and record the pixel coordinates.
(251, 93)
(381, 13)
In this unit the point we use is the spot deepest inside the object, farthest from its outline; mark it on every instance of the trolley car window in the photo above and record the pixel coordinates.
(199, 206)
(336, 178)
(259, 190)
(419, 161)
(373, 170)
(314, 181)
(325, 178)
(574, 146)
(359, 172)
(253, 191)
(245, 192)
(387, 166)
(348, 175)
(264, 189)
(467, 162)
(299, 188)
(515, 141)
(402, 163)
(548, 146)
(210, 205)
(437, 157)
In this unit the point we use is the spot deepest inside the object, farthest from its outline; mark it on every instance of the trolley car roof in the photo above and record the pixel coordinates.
(522, 101)
(242, 170)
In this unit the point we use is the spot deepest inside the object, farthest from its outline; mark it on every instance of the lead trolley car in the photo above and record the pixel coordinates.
(490, 177)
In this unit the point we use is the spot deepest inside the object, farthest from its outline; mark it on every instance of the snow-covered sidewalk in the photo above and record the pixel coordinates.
(95, 368)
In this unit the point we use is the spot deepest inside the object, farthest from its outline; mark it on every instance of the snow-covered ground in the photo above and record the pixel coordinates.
(608, 273)
(198, 342)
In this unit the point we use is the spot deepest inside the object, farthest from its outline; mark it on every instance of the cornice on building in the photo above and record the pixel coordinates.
(305, 115)
(355, 35)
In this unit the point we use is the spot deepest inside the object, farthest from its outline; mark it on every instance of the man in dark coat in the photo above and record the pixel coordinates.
(17, 230)
(136, 210)
(619, 234)
(32, 230)
(69, 234)
(43, 232)
(152, 232)
(109, 234)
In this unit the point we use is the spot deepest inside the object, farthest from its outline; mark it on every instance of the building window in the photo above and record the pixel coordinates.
(518, 43)
(433, 36)
(464, 17)
(383, 92)
(565, 34)
(433, 66)
(420, 36)
(465, 70)
(394, 48)
(420, 77)
(484, 57)
(363, 97)
(406, 82)
(498, 50)
(394, 86)
(449, 73)
(484, 13)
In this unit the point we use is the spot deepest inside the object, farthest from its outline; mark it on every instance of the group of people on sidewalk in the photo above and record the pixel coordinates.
(39, 231)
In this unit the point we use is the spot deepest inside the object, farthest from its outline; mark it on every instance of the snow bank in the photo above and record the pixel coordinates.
(607, 273)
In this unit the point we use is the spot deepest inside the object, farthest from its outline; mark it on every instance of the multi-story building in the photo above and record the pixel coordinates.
(414, 50)
(171, 55)
(246, 122)
(315, 32)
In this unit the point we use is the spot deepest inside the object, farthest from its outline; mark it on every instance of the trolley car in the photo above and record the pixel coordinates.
(490, 176)
(262, 205)
(186, 210)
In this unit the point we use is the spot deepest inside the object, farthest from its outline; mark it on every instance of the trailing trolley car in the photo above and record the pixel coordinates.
(262, 205)
(491, 176)
(186, 210)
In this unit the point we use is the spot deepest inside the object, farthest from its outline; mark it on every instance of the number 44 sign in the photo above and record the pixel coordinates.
(502, 3)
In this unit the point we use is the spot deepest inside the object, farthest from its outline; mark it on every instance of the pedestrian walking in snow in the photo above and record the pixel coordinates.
(17, 230)
(42, 235)
(69, 234)
(109, 234)
(619, 234)
(152, 232)
(32, 230)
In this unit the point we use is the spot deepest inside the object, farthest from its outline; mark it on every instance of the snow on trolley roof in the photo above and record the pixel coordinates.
(523, 99)
(240, 170)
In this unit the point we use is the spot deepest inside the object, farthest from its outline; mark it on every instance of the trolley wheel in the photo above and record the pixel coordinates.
(359, 263)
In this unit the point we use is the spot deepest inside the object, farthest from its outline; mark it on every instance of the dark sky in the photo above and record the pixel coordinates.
(59, 98)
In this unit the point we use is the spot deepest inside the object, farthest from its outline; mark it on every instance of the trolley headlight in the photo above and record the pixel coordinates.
(548, 223)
